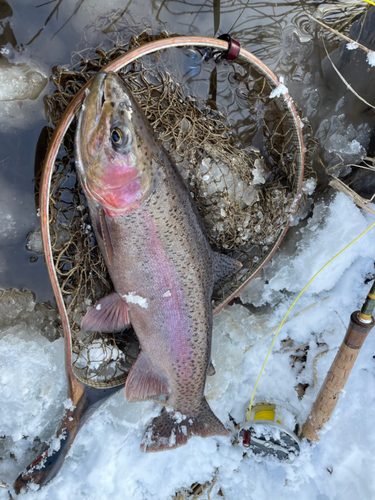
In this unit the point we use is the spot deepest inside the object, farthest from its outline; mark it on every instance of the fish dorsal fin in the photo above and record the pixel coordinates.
(143, 381)
(211, 370)
(224, 266)
(106, 235)
(110, 314)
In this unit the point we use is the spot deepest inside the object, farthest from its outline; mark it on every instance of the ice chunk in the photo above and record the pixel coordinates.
(351, 46)
(20, 307)
(259, 172)
(371, 58)
(249, 195)
(32, 375)
(343, 144)
(308, 186)
(34, 242)
(281, 89)
(19, 82)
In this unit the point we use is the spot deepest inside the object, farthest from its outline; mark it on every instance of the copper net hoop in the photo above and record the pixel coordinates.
(58, 137)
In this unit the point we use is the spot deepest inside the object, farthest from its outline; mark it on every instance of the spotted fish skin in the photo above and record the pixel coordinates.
(159, 259)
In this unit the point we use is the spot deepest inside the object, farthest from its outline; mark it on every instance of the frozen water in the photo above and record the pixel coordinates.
(23, 82)
(259, 172)
(308, 186)
(351, 46)
(19, 307)
(371, 58)
(34, 242)
(343, 143)
(32, 379)
(19, 82)
(281, 89)
(296, 46)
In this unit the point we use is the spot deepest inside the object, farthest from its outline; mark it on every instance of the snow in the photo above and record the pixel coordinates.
(106, 462)
(351, 46)
(371, 58)
(133, 298)
(281, 89)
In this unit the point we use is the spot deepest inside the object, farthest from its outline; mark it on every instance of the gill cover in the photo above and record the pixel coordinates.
(111, 140)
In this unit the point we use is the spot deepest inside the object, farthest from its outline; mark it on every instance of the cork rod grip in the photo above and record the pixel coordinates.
(337, 376)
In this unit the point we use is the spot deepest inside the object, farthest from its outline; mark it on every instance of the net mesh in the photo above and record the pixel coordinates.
(245, 194)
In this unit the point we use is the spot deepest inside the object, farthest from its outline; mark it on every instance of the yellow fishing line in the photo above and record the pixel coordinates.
(291, 307)
(369, 1)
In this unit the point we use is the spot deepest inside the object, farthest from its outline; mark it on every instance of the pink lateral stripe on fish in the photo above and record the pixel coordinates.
(159, 258)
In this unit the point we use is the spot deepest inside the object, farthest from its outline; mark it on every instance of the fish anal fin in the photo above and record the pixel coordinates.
(143, 381)
(167, 432)
(110, 314)
(211, 370)
(224, 266)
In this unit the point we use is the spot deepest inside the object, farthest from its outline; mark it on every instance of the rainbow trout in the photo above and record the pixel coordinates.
(159, 259)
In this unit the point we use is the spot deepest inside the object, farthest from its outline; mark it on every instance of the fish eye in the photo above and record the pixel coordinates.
(119, 137)
(116, 136)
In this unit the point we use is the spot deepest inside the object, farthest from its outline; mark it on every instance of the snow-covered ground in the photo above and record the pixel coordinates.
(105, 461)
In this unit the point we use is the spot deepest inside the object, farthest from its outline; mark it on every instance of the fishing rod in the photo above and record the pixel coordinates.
(361, 323)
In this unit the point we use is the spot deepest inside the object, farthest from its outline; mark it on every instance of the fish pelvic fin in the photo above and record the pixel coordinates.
(110, 314)
(171, 429)
(143, 381)
(224, 266)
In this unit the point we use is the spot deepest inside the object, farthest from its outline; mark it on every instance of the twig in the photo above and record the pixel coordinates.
(314, 365)
(336, 183)
(296, 348)
(212, 484)
(349, 87)
(339, 34)
(345, 326)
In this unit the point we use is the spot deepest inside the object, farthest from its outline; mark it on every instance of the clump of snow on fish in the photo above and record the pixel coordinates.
(105, 461)
(133, 298)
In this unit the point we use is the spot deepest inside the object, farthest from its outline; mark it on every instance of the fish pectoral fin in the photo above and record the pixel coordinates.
(143, 381)
(224, 266)
(110, 314)
(101, 223)
(211, 370)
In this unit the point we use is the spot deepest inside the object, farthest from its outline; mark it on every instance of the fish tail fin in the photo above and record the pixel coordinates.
(172, 429)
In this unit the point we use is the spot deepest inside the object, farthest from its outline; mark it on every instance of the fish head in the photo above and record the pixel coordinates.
(111, 146)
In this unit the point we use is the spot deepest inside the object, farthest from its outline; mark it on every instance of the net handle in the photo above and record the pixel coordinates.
(67, 119)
